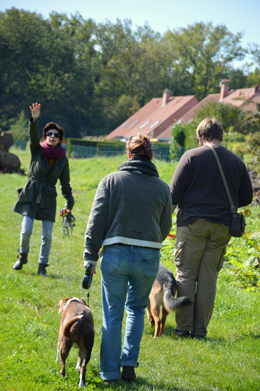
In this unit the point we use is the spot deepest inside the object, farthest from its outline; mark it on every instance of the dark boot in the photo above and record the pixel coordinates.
(22, 260)
(42, 269)
(128, 374)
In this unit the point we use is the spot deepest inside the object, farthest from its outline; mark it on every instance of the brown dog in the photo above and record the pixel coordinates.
(162, 296)
(76, 326)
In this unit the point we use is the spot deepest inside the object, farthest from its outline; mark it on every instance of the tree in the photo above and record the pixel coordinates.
(183, 137)
(35, 63)
(20, 128)
(90, 77)
(231, 117)
(205, 53)
(253, 78)
(255, 52)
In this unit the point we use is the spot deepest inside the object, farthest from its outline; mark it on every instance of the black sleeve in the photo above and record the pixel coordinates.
(180, 180)
(245, 194)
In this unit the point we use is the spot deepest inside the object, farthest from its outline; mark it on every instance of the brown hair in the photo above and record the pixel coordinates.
(139, 146)
(211, 129)
(53, 125)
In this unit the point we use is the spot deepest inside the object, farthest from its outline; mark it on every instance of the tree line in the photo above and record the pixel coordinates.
(90, 77)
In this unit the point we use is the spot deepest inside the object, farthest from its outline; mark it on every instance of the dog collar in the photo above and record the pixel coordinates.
(69, 301)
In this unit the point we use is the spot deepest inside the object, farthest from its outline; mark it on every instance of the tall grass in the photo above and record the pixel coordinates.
(229, 359)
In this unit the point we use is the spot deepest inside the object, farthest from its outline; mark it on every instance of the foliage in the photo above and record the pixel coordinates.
(255, 52)
(20, 128)
(205, 53)
(252, 119)
(231, 117)
(183, 137)
(90, 77)
(253, 78)
(178, 134)
(243, 256)
(177, 140)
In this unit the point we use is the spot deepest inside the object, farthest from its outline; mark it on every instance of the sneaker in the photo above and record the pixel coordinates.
(128, 373)
(182, 333)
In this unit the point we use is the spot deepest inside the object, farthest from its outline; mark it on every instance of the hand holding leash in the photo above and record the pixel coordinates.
(87, 279)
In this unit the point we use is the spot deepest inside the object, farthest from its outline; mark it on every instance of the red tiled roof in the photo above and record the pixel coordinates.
(153, 118)
(237, 97)
(252, 106)
(234, 97)
(156, 120)
(209, 98)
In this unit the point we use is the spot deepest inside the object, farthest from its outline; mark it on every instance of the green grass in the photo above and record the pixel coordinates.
(229, 359)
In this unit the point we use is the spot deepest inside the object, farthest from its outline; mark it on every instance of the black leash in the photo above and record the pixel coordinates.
(87, 280)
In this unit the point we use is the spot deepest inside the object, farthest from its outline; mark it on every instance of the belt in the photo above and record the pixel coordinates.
(133, 245)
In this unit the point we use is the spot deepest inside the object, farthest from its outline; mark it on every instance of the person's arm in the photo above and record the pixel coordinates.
(245, 194)
(97, 224)
(65, 186)
(179, 181)
(166, 218)
(34, 127)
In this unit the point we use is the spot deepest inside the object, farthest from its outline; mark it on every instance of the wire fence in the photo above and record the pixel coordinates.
(161, 152)
(20, 144)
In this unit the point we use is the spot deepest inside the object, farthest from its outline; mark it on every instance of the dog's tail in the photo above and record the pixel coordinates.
(72, 327)
(174, 304)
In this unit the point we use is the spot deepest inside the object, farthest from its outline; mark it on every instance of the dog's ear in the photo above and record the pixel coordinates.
(83, 301)
(62, 303)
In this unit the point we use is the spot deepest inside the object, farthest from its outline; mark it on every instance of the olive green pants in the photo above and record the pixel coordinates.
(198, 256)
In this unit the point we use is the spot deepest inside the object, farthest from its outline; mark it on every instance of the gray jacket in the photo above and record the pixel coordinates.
(131, 206)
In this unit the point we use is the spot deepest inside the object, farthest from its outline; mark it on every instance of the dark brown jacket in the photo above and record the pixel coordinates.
(38, 197)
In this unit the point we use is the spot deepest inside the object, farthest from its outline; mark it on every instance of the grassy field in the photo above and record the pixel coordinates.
(229, 359)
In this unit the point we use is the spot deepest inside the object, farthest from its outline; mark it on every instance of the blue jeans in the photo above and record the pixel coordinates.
(125, 271)
(27, 227)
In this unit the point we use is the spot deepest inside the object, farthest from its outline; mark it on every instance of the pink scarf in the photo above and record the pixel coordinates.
(49, 152)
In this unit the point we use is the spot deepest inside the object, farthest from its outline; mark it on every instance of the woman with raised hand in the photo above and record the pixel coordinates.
(130, 217)
(37, 200)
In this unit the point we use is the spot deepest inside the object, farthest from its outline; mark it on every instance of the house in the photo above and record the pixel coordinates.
(155, 117)
(234, 97)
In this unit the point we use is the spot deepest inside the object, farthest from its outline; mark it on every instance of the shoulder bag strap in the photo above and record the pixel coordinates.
(232, 207)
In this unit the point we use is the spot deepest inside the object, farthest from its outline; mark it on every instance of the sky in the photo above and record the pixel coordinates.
(161, 15)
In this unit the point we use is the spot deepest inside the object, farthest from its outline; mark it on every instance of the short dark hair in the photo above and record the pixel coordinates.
(211, 129)
(53, 125)
(139, 146)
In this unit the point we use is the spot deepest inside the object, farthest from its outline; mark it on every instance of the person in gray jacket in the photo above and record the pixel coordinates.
(130, 218)
(37, 200)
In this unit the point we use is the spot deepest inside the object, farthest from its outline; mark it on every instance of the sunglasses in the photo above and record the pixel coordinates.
(49, 134)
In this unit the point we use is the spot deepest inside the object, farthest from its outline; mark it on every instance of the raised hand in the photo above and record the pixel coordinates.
(35, 110)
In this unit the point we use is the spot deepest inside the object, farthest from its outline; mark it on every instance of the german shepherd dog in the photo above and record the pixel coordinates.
(162, 296)
(76, 326)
